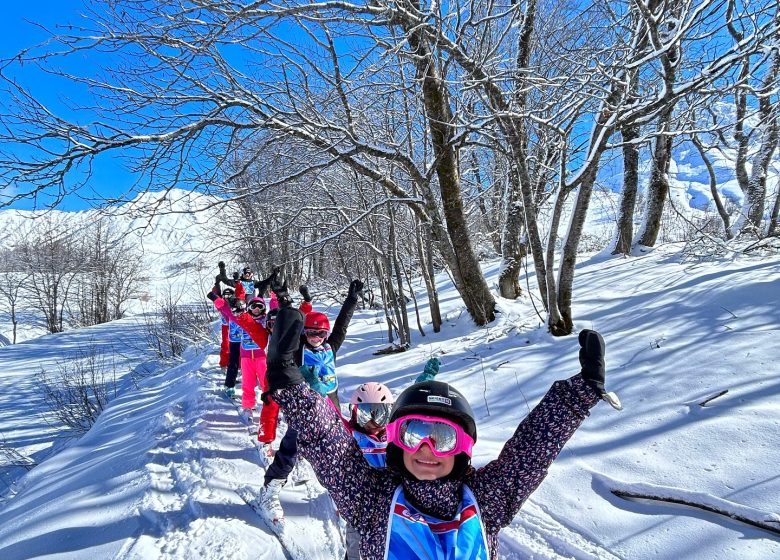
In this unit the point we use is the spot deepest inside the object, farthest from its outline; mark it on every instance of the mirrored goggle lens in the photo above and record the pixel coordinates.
(270, 323)
(320, 333)
(379, 413)
(443, 436)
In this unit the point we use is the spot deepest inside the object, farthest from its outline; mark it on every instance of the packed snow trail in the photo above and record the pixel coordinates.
(160, 475)
(194, 497)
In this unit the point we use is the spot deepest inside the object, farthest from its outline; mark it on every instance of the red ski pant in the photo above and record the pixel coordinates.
(224, 349)
(253, 375)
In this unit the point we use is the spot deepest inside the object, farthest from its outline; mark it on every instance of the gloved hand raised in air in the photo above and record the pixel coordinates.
(310, 374)
(355, 287)
(592, 350)
(282, 295)
(304, 291)
(430, 371)
(264, 284)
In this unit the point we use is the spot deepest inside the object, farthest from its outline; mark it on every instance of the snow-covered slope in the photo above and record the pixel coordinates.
(158, 475)
(179, 236)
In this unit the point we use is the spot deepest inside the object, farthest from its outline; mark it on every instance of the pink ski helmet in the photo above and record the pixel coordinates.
(372, 392)
(371, 401)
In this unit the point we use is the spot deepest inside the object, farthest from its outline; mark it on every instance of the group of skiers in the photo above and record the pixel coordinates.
(398, 469)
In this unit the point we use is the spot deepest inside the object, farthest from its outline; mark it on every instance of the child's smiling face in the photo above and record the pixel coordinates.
(424, 465)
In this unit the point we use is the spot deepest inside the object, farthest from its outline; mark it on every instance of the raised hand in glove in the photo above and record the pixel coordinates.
(304, 291)
(592, 350)
(212, 296)
(355, 287)
(221, 266)
(236, 276)
(430, 371)
(282, 295)
(264, 284)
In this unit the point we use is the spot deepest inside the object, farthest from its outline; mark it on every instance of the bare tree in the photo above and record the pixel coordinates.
(109, 275)
(80, 389)
(765, 130)
(430, 85)
(14, 279)
(50, 253)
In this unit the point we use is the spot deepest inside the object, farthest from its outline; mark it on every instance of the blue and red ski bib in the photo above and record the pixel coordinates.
(413, 535)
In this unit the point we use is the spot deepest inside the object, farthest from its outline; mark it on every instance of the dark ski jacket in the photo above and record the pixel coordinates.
(363, 495)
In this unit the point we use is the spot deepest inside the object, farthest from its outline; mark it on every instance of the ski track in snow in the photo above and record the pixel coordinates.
(535, 535)
(193, 484)
(194, 487)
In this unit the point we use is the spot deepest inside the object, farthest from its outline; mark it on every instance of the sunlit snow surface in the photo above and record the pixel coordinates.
(156, 477)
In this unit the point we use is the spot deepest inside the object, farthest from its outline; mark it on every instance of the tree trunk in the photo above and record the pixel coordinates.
(658, 187)
(565, 324)
(724, 215)
(625, 225)
(426, 271)
(403, 312)
(512, 250)
(476, 294)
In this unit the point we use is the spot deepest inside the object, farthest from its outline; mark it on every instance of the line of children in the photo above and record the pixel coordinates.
(430, 502)
(319, 345)
(253, 357)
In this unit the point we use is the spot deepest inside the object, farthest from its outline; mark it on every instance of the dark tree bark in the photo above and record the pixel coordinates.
(625, 224)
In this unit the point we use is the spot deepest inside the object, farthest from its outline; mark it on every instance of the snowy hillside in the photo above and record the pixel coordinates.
(174, 233)
(161, 473)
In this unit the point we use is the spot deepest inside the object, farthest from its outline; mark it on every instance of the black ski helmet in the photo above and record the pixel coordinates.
(433, 398)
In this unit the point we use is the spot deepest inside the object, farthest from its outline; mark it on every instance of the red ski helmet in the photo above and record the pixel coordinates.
(316, 320)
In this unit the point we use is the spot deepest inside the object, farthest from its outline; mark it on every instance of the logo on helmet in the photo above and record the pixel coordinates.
(438, 399)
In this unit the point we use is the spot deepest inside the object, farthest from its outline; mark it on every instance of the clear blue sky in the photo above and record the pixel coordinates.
(19, 28)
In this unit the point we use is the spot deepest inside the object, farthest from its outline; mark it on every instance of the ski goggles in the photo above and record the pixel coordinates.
(366, 412)
(442, 436)
(318, 333)
(255, 305)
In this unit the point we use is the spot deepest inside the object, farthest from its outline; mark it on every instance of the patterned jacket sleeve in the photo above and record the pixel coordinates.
(359, 491)
(502, 486)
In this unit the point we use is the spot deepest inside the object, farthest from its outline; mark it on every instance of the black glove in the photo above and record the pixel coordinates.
(263, 285)
(236, 276)
(221, 266)
(282, 295)
(304, 290)
(355, 287)
(592, 359)
(212, 296)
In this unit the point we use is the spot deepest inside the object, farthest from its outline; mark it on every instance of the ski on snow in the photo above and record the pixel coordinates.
(291, 549)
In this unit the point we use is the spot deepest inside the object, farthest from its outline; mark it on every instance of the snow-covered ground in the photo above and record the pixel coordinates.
(159, 475)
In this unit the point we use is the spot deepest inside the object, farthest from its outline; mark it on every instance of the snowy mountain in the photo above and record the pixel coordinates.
(179, 235)
(162, 472)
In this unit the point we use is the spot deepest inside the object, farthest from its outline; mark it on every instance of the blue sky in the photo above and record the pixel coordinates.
(20, 28)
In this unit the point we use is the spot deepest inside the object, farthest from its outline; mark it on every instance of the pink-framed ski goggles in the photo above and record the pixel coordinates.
(443, 436)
